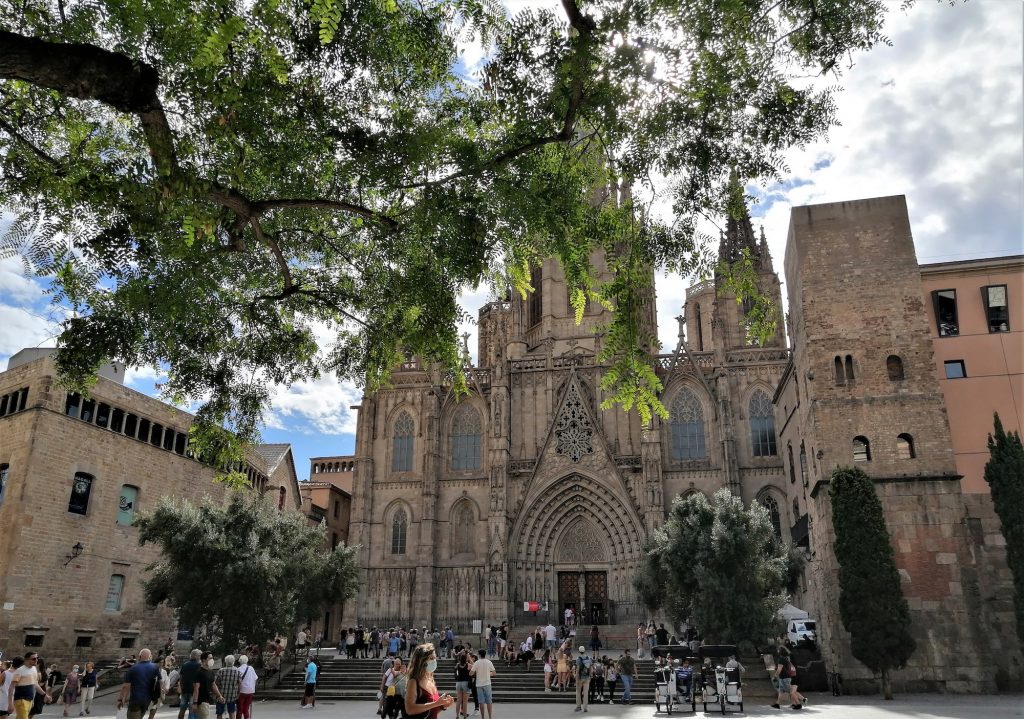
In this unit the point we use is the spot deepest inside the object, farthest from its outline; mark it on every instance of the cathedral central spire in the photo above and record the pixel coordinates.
(739, 233)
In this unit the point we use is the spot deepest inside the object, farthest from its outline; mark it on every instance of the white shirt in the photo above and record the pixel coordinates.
(26, 676)
(482, 671)
(246, 679)
(5, 686)
(549, 632)
(300, 639)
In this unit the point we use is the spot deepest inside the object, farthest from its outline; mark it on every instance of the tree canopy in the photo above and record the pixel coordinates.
(243, 571)
(1004, 473)
(871, 602)
(205, 182)
(719, 565)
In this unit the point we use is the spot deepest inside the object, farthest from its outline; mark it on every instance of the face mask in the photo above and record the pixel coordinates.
(432, 666)
(209, 663)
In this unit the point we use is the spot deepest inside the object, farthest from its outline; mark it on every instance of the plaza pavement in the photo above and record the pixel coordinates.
(821, 706)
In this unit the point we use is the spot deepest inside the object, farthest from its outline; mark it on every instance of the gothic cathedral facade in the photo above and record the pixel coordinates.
(525, 490)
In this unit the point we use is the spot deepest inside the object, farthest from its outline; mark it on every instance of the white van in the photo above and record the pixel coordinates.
(802, 630)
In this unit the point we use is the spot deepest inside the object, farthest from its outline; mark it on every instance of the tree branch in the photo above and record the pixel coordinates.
(271, 242)
(10, 130)
(324, 204)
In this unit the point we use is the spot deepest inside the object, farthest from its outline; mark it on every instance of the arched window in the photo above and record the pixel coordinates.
(840, 374)
(127, 504)
(687, 425)
(463, 528)
(803, 464)
(401, 450)
(768, 502)
(399, 532)
(849, 368)
(905, 447)
(81, 488)
(894, 366)
(466, 439)
(861, 449)
(762, 425)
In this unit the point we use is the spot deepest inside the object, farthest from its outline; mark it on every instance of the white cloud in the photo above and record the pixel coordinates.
(21, 327)
(318, 405)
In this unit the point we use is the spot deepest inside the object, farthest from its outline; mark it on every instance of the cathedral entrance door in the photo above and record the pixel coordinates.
(591, 607)
(568, 592)
(597, 597)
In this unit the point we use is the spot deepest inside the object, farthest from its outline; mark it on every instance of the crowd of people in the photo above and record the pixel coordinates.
(373, 642)
(27, 685)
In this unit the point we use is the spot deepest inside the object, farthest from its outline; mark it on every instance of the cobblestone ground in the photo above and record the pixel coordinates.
(821, 706)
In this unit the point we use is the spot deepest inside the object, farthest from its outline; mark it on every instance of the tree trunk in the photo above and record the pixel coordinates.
(886, 685)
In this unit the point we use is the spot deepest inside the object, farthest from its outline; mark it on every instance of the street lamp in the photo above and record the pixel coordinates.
(76, 552)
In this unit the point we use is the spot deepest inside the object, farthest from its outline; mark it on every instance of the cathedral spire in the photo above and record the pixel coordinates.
(739, 233)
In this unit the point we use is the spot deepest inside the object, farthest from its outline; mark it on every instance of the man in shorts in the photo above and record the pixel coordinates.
(483, 670)
(309, 695)
(783, 682)
(25, 684)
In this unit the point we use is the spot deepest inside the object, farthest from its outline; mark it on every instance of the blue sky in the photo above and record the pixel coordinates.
(936, 117)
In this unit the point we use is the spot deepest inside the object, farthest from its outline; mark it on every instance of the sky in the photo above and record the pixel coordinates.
(937, 116)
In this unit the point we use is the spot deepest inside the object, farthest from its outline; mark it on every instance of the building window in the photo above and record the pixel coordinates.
(157, 436)
(117, 420)
(792, 464)
(334, 541)
(536, 297)
(463, 528)
(72, 404)
(894, 366)
(131, 425)
(180, 443)
(796, 509)
(803, 464)
(861, 449)
(88, 410)
(83, 642)
(81, 488)
(399, 532)
(768, 502)
(849, 368)
(127, 643)
(997, 309)
(945, 312)
(466, 439)
(700, 328)
(102, 415)
(5, 470)
(687, 425)
(839, 372)
(905, 447)
(281, 494)
(14, 401)
(114, 591)
(337, 508)
(126, 504)
(762, 425)
(401, 454)
(33, 640)
(955, 369)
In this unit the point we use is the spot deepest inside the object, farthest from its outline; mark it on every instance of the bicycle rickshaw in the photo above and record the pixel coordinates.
(719, 685)
(669, 689)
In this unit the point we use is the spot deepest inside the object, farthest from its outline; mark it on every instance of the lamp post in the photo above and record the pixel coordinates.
(76, 552)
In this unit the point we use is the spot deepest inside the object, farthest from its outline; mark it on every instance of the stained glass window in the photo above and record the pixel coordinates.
(687, 425)
(466, 439)
(762, 425)
(399, 532)
(401, 456)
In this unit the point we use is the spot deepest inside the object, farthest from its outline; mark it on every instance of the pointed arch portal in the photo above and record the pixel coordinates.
(578, 545)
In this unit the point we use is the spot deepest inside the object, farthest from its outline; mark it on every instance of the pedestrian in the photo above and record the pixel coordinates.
(582, 674)
(6, 676)
(550, 635)
(422, 700)
(164, 681)
(641, 640)
(562, 668)
(72, 689)
(595, 640)
(300, 642)
(89, 682)
(471, 658)
(391, 698)
(375, 643)
(309, 693)
(548, 669)
(205, 691)
(186, 681)
(26, 686)
(141, 685)
(483, 671)
(462, 677)
(246, 687)
(173, 675)
(227, 681)
(611, 679)
(627, 667)
(597, 680)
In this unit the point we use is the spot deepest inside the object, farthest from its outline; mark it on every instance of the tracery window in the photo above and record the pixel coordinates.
(687, 425)
(762, 425)
(463, 529)
(465, 438)
(401, 454)
(768, 502)
(399, 532)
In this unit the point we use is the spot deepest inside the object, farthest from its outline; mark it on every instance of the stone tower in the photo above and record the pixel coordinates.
(861, 390)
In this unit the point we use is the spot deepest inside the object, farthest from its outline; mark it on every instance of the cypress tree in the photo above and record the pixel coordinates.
(1004, 473)
(871, 601)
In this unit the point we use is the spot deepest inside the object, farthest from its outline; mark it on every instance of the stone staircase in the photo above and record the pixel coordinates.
(359, 679)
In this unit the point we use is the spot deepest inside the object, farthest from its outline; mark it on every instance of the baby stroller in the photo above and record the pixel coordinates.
(720, 685)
